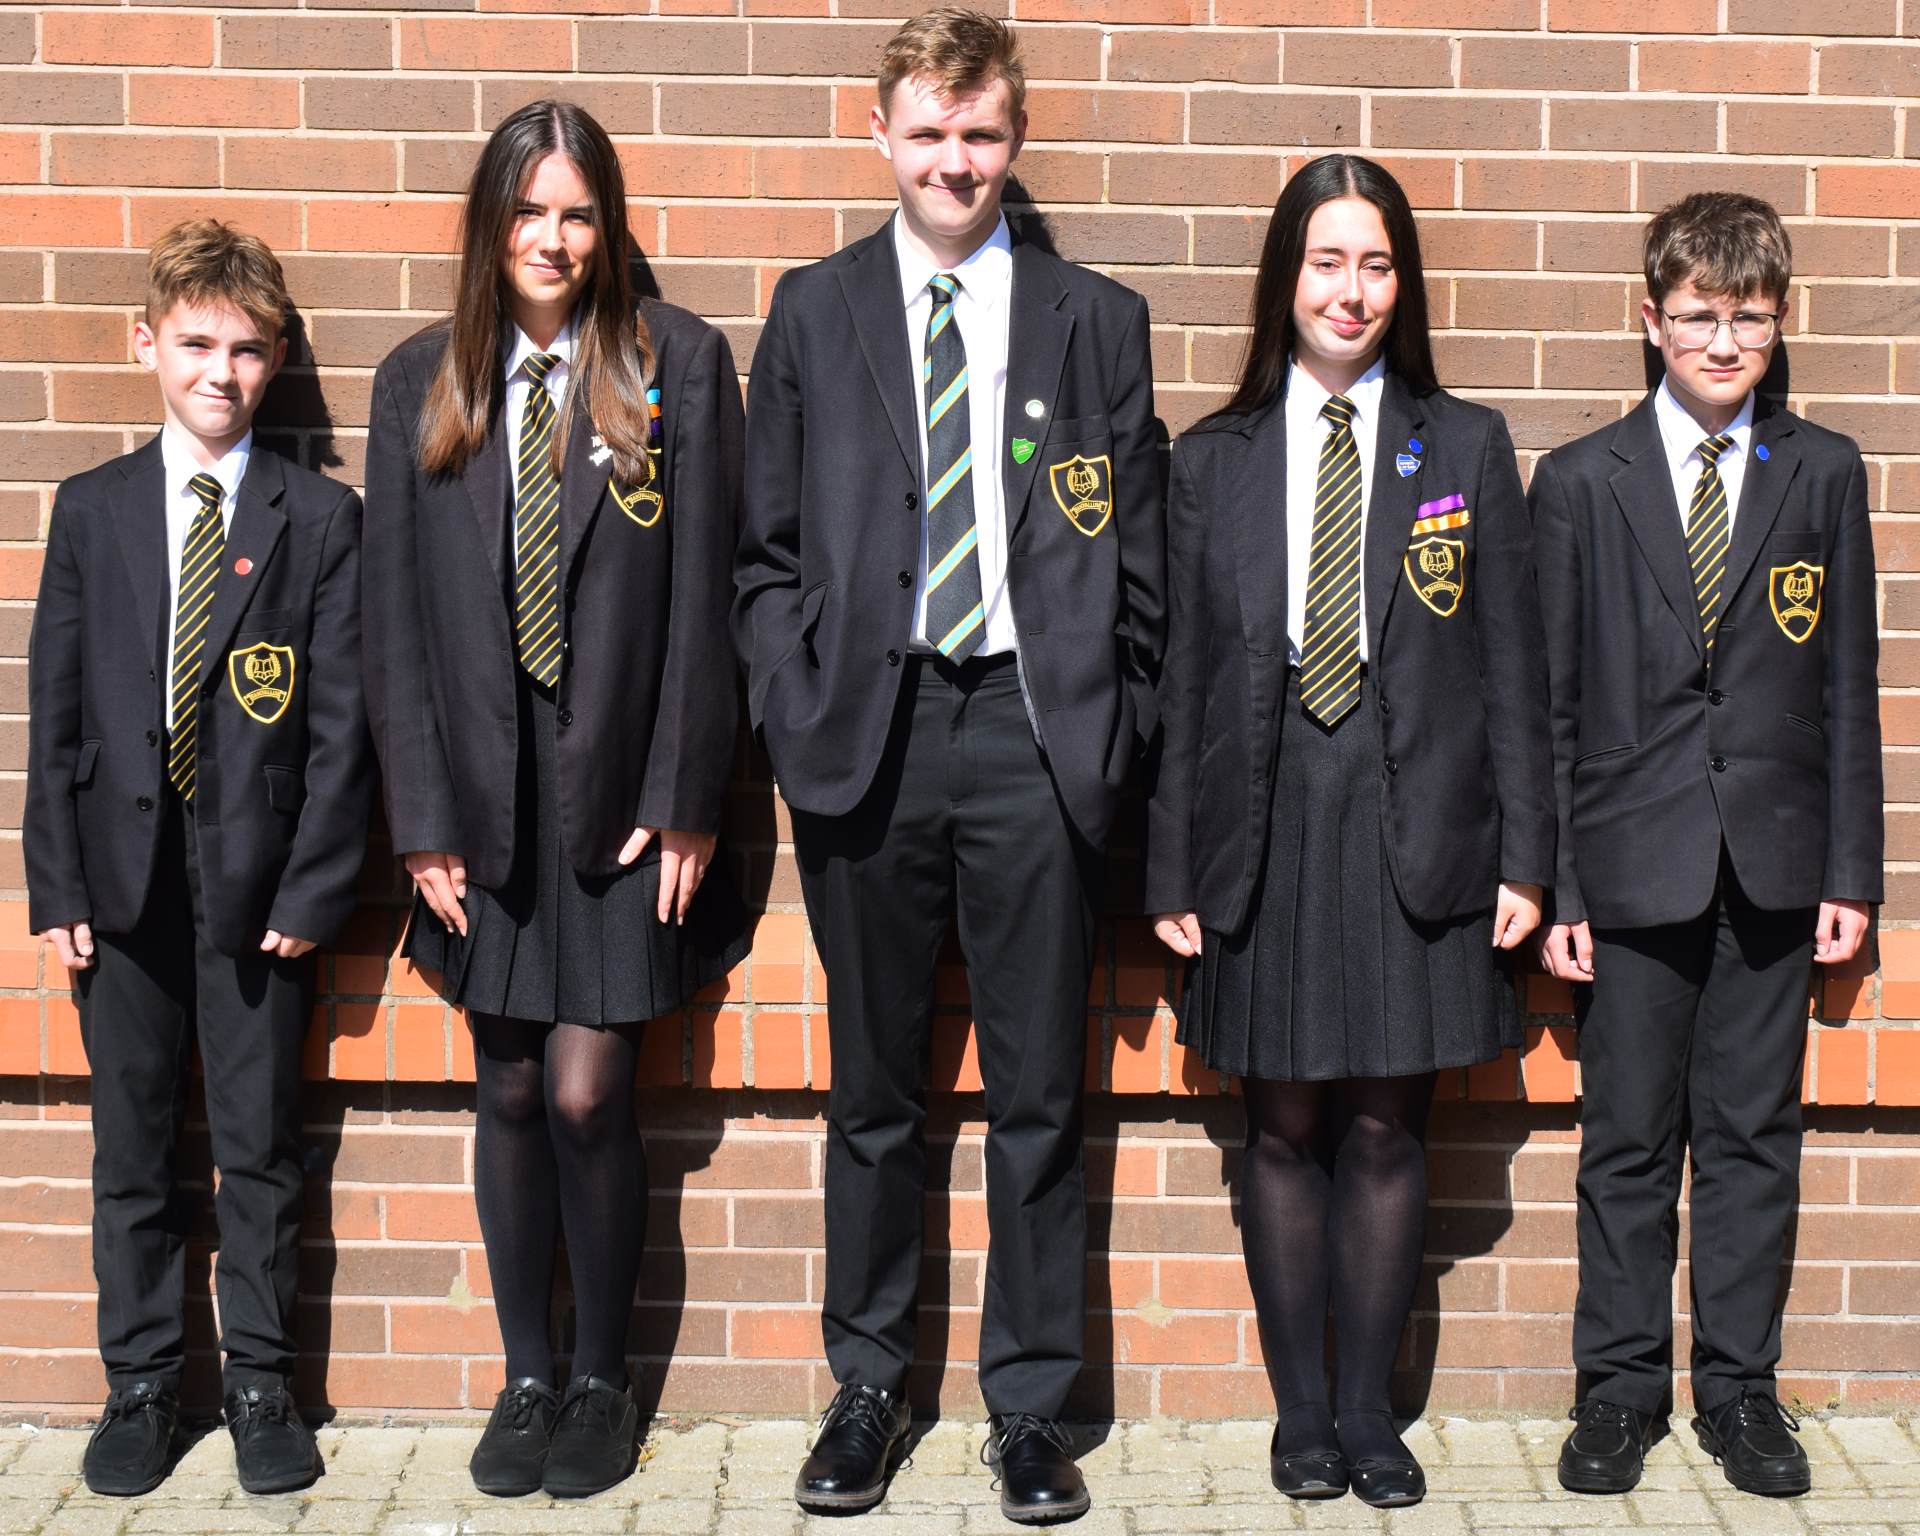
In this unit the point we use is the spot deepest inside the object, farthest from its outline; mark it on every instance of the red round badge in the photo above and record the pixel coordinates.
(243, 566)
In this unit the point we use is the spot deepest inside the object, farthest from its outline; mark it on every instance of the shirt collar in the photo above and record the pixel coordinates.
(1682, 436)
(1305, 396)
(983, 273)
(522, 349)
(181, 466)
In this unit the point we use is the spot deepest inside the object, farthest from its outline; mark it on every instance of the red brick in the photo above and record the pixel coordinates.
(1116, 12)
(1720, 67)
(1333, 58)
(1828, 18)
(1578, 185)
(379, 225)
(121, 159)
(62, 96)
(1476, 122)
(1758, 128)
(647, 45)
(1265, 117)
(1627, 16)
(274, 220)
(1867, 191)
(83, 37)
(769, 111)
(1245, 58)
(1579, 123)
(1544, 64)
(491, 43)
(213, 101)
(694, 230)
(43, 219)
(329, 164)
(1869, 70)
(1106, 116)
(305, 42)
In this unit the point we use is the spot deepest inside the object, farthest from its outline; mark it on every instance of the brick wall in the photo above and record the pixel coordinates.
(1533, 135)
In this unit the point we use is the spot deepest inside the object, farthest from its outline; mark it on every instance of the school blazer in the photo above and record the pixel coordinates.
(284, 774)
(823, 610)
(1658, 764)
(1454, 647)
(648, 696)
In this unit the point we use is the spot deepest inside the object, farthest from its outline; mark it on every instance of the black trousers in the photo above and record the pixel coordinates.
(962, 815)
(147, 996)
(1691, 1038)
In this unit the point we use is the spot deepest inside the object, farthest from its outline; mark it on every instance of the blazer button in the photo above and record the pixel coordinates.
(153, 738)
(905, 578)
(1715, 696)
(893, 658)
(1392, 766)
(913, 500)
(1384, 709)
(144, 803)
(1717, 763)
(565, 717)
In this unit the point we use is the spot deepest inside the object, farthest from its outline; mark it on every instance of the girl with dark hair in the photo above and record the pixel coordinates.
(1354, 811)
(552, 503)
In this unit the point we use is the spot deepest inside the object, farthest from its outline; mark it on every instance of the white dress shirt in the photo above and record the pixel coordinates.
(519, 381)
(983, 309)
(182, 507)
(1682, 436)
(1306, 430)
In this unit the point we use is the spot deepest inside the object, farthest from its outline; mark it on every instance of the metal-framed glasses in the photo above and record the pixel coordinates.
(1751, 330)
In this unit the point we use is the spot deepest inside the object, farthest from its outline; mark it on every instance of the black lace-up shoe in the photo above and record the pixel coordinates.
(511, 1457)
(132, 1444)
(862, 1435)
(1752, 1439)
(272, 1445)
(1039, 1483)
(1607, 1449)
(595, 1439)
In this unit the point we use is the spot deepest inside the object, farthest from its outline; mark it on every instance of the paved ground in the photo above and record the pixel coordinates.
(714, 1478)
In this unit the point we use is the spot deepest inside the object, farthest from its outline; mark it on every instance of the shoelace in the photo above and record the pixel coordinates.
(518, 1406)
(587, 1396)
(1015, 1426)
(126, 1403)
(1598, 1411)
(258, 1408)
(859, 1405)
(1760, 1411)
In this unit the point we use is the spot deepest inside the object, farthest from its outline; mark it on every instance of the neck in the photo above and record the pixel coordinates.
(1336, 375)
(1710, 416)
(206, 451)
(947, 252)
(541, 324)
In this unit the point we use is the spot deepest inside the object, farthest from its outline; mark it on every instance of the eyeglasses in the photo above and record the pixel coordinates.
(1750, 331)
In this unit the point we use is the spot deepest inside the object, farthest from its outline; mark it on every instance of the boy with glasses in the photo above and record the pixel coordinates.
(1706, 577)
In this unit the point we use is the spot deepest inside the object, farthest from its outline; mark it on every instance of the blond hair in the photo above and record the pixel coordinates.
(1726, 244)
(203, 261)
(957, 50)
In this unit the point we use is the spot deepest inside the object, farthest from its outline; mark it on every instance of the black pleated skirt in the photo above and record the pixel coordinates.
(553, 947)
(1331, 976)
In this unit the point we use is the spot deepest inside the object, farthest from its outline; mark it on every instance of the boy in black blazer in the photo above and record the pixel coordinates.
(950, 604)
(198, 781)
(1706, 576)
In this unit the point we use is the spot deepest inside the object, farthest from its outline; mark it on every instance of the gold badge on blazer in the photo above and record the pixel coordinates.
(1083, 488)
(1794, 592)
(261, 677)
(1437, 569)
(642, 503)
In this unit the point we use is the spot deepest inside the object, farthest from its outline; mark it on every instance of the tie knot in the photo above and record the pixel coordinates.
(207, 489)
(944, 285)
(1713, 447)
(1338, 410)
(540, 364)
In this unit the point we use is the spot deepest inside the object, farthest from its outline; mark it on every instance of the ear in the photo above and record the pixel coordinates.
(279, 355)
(1650, 317)
(146, 346)
(1019, 134)
(877, 126)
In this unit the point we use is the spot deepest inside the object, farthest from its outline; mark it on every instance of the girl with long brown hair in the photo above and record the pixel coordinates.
(552, 499)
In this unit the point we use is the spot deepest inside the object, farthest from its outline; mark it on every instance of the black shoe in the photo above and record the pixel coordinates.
(1607, 1449)
(1039, 1483)
(595, 1439)
(1318, 1473)
(511, 1457)
(1751, 1437)
(1388, 1484)
(132, 1445)
(272, 1445)
(862, 1435)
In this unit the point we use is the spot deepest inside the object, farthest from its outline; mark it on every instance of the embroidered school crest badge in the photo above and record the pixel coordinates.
(643, 504)
(1794, 593)
(1437, 570)
(261, 677)
(1083, 488)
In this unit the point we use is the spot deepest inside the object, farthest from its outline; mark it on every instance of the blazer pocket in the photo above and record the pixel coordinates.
(1807, 725)
(286, 788)
(812, 602)
(1605, 752)
(265, 618)
(83, 765)
(1078, 429)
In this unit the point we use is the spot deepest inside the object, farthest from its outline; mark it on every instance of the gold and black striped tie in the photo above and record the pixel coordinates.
(199, 571)
(955, 613)
(1707, 536)
(536, 521)
(1330, 644)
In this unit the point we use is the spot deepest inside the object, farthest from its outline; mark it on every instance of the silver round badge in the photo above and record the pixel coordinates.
(1035, 410)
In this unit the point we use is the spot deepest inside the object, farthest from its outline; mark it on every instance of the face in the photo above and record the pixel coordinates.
(550, 247)
(1345, 297)
(1712, 376)
(213, 366)
(950, 158)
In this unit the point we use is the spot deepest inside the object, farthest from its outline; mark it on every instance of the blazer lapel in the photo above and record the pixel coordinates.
(140, 521)
(871, 287)
(1763, 489)
(583, 486)
(1391, 507)
(1256, 499)
(1643, 487)
(1037, 337)
(490, 488)
(252, 536)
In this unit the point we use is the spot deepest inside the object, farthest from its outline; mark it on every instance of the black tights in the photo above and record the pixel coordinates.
(555, 1146)
(1333, 1201)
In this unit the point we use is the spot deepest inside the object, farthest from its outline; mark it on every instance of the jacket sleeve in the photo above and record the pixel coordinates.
(1169, 847)
(766, 571)
(316, 891)
(691, 751)
(1557, 559)
(399, 693)
(56, 881)
(1855, 817)
(1139, 515)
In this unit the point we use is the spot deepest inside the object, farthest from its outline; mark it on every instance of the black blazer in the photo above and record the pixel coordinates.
(1778, 754)
(648, 695)
(1465, 776)
(282, 785)
(825, 576)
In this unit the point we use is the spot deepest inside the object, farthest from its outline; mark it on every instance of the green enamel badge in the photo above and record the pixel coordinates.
(1022, 449)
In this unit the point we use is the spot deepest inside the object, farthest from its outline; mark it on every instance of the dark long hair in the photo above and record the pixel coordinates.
(1407, 349)
(613, 354)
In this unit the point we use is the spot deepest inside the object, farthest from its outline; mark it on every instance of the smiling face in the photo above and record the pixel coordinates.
(1711, 378)
(551, 241)
(1345, 296)
(950, 158)
(213, 366)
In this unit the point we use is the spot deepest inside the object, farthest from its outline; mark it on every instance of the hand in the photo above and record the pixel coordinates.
(1838, 931)
(1516, 913)
(1567, 952)
(684, 857)
(285, 945)
(1179, 931)
(442, 879)
(73, 943)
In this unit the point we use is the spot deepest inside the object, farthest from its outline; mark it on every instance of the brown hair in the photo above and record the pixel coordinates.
(1726, 244)
(958, 50)
(203, 261)
(613, 352)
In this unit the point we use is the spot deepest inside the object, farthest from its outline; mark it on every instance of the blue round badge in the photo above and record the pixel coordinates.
(1414, 444)
(1760, 452)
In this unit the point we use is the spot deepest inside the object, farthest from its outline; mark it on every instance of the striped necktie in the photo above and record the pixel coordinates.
(955, 615)
(1330, 646)
(1708, 528)
(536, 522)
(199, 571)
